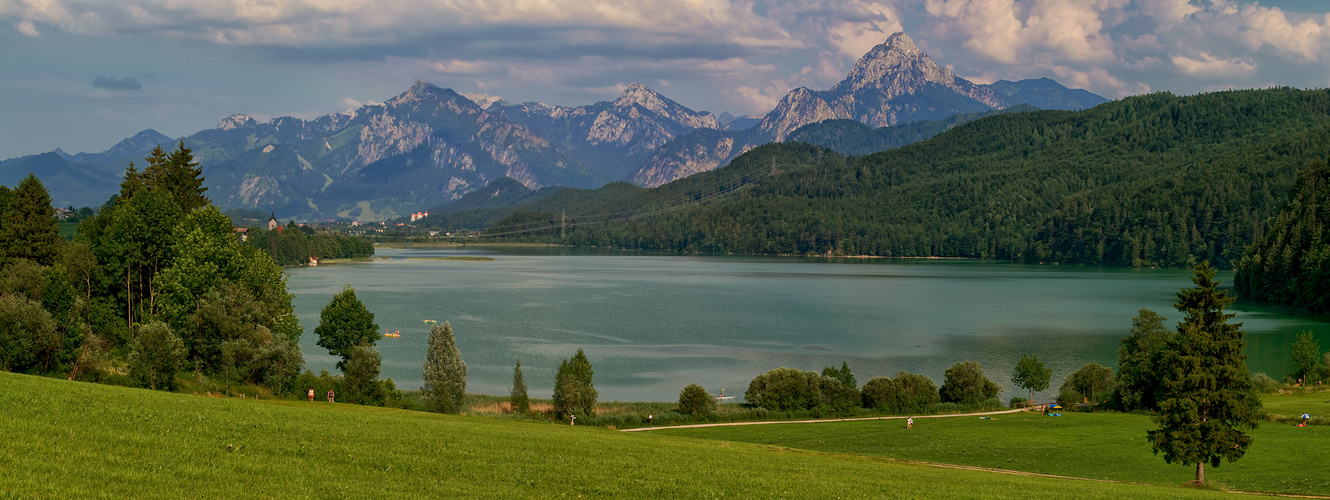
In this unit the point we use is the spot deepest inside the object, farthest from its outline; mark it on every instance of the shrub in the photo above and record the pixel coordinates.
(158, 354)
(965, 383)
(695, 400)
(785, 389)
(1264, 384)
(24, 328)
(908, 392)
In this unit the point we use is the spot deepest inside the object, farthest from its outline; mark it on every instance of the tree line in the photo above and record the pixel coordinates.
(153, 284)
(294, 244)
(1152, 180)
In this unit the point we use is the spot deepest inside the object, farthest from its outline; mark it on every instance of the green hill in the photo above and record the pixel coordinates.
(69, 439)
(1153, 180)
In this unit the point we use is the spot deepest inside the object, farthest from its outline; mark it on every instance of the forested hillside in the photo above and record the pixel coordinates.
(1154, 180)
(1291, 265)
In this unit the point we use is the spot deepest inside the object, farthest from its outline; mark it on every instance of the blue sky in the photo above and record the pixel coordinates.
(83, 74)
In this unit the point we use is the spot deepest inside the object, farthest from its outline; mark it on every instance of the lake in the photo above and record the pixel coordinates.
(652, 324)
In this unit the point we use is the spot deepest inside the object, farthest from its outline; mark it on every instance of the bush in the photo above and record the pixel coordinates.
(24, 329)
(1264, 384)
(906, 393)
(785, 389)
(695, 400)
(158, 354)
(965, 383)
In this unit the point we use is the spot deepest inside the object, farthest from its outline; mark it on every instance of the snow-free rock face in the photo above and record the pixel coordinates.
(609, 137)
(421, 148)
(893, 83)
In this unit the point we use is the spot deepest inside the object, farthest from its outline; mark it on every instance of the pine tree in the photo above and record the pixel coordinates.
(574, 391)
(30, 228)
(519, 401)
(183, 179)
(1208, 399)
(445, 372)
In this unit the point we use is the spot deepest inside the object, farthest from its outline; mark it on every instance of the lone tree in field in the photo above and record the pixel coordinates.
(518, 399)
(445, 372)
(1306, 355)
(344, 323)
(695, 400)
(1208, 399)
(573, 390)
(1031, 374)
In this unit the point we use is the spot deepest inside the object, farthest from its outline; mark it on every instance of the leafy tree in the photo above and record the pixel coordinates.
(30, 227)
(518, 400)
(158, 354)
(1093, 382)
(24, 328)
(573, 388)
(843, 375)
(445, 372)
(344, 323)
(1208, 399)
(695, 400)
(785, 389)
(1139, 358)
(965, 383)
(1306, 355)
(838, 398)
(360, 382)
(1031, 374)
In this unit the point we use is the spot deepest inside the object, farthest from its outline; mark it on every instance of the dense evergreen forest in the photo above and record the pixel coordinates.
(1291, 264)
(1152, 180)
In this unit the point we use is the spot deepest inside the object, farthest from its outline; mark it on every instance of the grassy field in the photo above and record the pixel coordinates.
(1283, 458)
(69, 439)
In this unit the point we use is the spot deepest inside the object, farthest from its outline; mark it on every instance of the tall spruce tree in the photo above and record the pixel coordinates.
(1207, 400)
(444, 373)
(518, 399)
(30, 228)
(574, 392)
(183, 179)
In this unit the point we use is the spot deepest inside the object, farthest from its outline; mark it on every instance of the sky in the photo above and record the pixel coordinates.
(83, 74)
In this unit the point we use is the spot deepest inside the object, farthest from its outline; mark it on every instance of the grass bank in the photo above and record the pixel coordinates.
(1106, 445)
(70, 439)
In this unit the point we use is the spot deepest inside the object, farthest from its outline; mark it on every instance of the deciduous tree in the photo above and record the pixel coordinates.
(158, 354)
(1306, 355)
(965, 383)
(1138, 384)
(1031, 374)
(695, 400)
(345, 323)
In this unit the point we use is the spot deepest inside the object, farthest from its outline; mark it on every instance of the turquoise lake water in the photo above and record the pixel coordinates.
(653, 324)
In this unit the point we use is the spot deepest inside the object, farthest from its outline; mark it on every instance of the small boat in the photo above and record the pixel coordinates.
(429, 321)
(393, 334)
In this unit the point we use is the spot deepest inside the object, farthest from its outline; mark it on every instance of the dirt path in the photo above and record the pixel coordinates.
(725, 424)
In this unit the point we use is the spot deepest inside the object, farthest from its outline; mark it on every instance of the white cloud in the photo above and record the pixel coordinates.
(1211, 66)
(27, 28)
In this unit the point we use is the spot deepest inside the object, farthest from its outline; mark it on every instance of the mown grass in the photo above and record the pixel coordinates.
(1104, 445)
(77, 440)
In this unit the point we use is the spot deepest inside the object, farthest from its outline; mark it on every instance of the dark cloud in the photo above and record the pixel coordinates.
(113, 83)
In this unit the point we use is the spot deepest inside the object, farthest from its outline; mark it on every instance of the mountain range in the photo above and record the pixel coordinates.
(430, 145)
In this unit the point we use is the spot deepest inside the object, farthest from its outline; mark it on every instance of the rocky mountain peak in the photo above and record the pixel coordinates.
(636, 93)
(484, 100)
(895, 67)
(236, 121)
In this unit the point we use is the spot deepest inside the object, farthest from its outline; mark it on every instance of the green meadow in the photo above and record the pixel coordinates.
(70, 439)
(1104, 445)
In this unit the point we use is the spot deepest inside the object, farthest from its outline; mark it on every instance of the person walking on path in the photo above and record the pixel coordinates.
(909, 423)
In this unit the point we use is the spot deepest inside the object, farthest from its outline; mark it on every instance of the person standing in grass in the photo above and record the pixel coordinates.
(909, 423)
(330, 395)
(311, 394)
